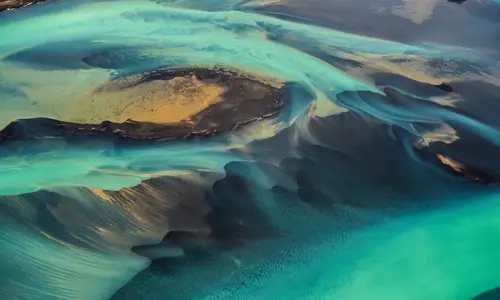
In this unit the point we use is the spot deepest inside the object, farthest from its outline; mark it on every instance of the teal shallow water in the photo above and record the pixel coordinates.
(377, 180)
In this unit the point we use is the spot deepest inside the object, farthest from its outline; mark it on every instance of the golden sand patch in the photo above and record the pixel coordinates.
(157, 101)
(455, 165)
(82, 98)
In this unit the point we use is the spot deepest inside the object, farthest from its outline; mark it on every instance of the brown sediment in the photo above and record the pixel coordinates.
(172, 96)
(140, 215)
(163, 104)
(451, 163)
(158, 101)
(465, 170)
(444, 133)
(13, 4)
(416, 11)
(161, 204)
(177, 102)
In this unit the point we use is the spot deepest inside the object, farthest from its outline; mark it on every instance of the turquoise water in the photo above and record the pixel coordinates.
(341, 196)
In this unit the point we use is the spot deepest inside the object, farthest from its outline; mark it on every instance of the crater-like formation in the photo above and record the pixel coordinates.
(163, 104)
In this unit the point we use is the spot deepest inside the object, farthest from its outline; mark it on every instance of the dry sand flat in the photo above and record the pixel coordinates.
(158, 101)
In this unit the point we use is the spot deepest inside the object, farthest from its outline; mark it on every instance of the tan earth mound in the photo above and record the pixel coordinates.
(157, 101)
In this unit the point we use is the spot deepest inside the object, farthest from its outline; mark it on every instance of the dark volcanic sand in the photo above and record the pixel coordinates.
(245, 100)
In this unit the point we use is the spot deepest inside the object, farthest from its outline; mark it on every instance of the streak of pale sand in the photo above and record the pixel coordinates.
(417, 68)
(263, 2)
(416, 11)
(444, 133)
(457, 166)
(411, 66)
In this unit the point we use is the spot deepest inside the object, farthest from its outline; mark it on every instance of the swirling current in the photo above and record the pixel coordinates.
(190, 149)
